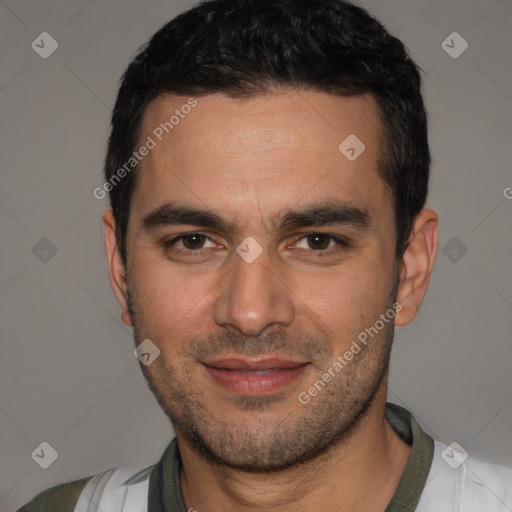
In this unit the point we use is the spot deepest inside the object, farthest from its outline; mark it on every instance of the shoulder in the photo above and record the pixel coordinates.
(109, 490)
(458, 481)
(62, 497)
(487, 479)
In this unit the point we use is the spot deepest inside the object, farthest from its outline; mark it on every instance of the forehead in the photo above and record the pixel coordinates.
(261, 154)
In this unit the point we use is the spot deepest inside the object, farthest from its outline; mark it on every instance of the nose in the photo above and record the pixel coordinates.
(253, 296)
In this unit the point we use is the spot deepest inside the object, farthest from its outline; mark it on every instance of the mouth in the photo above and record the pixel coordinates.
(254, 376)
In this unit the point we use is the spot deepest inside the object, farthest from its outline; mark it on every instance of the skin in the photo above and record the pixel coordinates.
(248, 160)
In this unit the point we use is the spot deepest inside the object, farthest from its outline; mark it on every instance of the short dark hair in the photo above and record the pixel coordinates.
(249, 47)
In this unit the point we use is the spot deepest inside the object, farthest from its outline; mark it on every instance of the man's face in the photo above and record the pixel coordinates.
(243, 333)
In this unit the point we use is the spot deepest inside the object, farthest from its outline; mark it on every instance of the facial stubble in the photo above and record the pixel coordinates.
(267, 440)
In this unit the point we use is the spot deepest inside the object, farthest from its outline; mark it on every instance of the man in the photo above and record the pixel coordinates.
(268, 168)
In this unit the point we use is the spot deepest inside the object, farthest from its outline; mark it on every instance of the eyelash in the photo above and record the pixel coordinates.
(169, 243)
(340, 244)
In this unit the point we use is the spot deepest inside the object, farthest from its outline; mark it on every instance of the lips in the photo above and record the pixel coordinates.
(254, 376)
(234, 363)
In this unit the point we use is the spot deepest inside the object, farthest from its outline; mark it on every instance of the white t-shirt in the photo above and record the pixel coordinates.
(437, 478)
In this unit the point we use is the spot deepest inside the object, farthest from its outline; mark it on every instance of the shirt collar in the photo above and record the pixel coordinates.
(164, 483)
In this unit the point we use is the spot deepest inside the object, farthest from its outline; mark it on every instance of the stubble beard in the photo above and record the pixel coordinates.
(312, 430)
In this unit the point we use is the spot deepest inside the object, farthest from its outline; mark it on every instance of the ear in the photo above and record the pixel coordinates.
(416, 266)
(116, 268)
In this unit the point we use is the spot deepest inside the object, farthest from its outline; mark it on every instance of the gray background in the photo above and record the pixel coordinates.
(68, 375)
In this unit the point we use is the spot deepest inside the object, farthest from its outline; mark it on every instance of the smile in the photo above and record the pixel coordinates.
(254, 377)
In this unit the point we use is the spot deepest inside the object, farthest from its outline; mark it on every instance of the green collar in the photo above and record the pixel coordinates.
(164, 482)
(416, 471)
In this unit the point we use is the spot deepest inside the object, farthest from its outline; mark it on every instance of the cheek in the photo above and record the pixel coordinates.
(168, 301)
(346, 301)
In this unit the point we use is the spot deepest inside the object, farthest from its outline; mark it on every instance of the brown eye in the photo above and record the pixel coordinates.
(188, 244)
(318, 241)
(321, 244)
(193, 241)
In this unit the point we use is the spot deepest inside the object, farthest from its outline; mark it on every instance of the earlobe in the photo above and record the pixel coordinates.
(417, 265)
(116, 268)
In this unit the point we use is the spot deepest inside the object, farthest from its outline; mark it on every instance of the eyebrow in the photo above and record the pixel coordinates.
(325, 214)
(314, 215)
(169, 214)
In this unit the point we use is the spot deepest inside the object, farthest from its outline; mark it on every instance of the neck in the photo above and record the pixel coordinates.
(359, 473)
